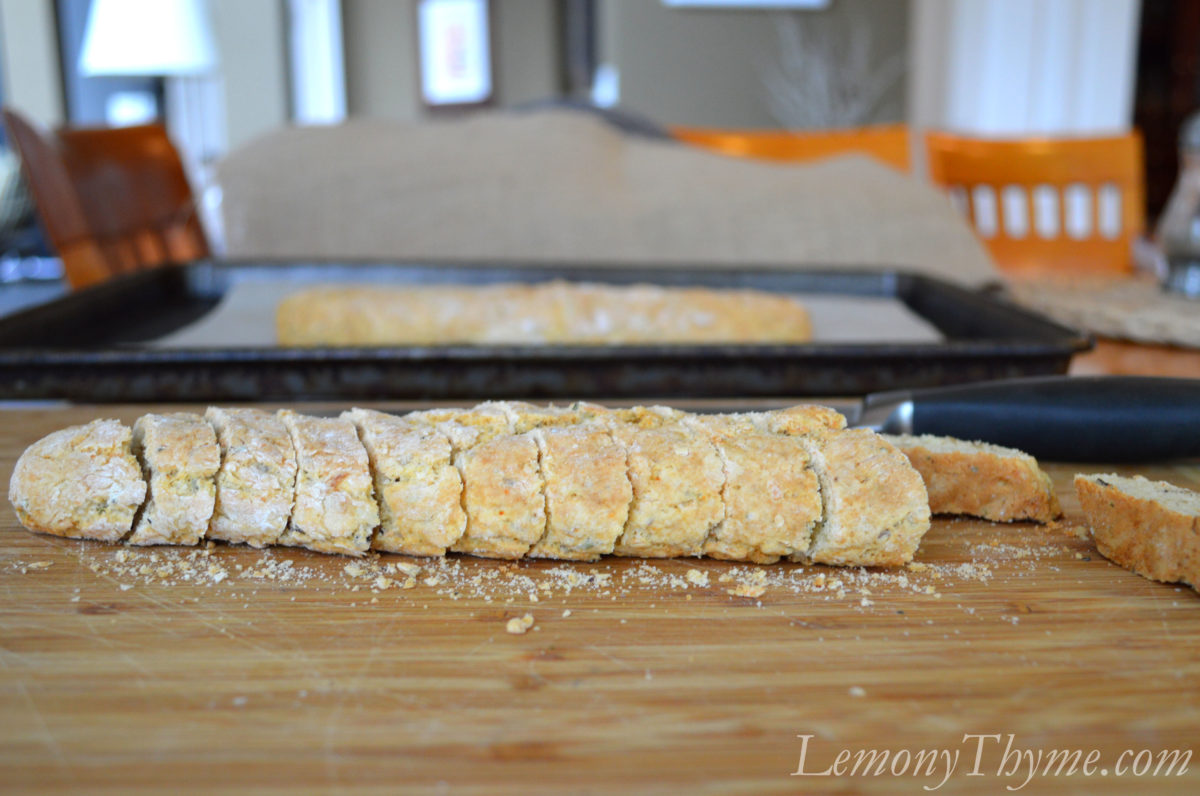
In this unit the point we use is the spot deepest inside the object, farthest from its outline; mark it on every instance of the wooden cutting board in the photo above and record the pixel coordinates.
(234, 669)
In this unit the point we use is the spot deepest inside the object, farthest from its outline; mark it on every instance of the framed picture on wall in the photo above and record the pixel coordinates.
(455, 52)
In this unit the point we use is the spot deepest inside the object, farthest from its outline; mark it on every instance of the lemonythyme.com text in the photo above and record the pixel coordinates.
(995, 755)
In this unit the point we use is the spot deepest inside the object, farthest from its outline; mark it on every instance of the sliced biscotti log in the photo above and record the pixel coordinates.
(256, 485)
(1150, 527)
(335, 511)
(676, 476)
(180, 458)
(980, 479)
(754, 490)
(418, 488)
(771, 494)
(503, 491)
(875, 507)
(587, 491)
(82, 482)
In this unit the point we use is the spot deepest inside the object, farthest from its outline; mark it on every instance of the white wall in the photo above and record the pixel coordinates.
(29, 48)
(251, 36)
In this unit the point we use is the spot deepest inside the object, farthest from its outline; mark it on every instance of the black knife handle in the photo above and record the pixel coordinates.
(1083, 418)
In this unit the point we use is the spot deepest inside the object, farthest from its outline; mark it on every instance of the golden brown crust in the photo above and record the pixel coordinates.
(466, 428)
(82, 482)
(550, 313)
(418, 487)
(256, 485)
(875, 506)
(180, 458)
(980, 480)
(334, 511)
(1149, 527)
(803, 419)
(503, 497)
(587, 492)
(524, 416)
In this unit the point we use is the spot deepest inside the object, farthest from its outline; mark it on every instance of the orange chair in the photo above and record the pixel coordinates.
(1047, 206)
(886, 143)
(111, 200)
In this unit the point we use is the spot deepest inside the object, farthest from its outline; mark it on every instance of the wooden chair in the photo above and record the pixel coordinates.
(1047, 206)
(886, 143)
(111, 200)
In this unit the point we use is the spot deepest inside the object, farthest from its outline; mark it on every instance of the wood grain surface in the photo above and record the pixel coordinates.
(135, 670)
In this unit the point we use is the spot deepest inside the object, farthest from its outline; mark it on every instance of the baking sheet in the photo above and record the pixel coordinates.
(170, 335)
(245, 317)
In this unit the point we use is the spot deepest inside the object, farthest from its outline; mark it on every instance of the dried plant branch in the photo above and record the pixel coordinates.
(828, 73)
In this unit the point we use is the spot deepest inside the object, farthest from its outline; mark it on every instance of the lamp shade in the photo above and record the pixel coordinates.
(148, 37)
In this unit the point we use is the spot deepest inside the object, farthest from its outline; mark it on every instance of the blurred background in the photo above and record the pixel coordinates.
(221, 73)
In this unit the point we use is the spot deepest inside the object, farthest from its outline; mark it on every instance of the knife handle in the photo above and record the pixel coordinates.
(1085, 419)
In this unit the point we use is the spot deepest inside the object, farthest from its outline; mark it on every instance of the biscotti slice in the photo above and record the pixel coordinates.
(180, 458)
(334, 511)
(677, 476)
(503, 496)
(875, 506)
(979, 479)
(256, 485)
(771, 494)
(417, 485)
(1150, 527)
(587, 492)
(82, 482)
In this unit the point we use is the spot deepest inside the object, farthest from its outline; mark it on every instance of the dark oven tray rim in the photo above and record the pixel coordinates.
(42, 356)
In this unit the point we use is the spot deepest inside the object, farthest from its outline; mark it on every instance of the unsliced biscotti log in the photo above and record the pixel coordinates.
(180, 458)
(509, 480)
(1149, 527)
(980, 479)
(549, 313)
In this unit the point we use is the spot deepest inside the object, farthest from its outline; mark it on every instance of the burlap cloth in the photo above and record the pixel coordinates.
(1136, 309)
(562, 186)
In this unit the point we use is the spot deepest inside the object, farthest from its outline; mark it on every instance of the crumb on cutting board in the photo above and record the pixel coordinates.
(519, 625)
